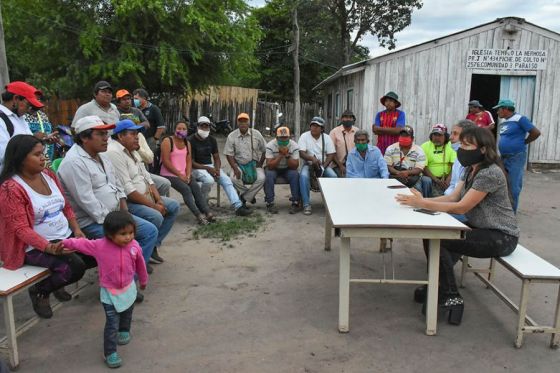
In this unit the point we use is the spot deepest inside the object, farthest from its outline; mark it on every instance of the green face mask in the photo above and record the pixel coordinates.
(362, 147)
(283, 143)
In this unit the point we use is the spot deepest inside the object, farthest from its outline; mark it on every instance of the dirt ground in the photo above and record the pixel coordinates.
(270, 304)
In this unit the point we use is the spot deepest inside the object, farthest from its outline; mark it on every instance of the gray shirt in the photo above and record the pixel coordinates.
(494, 211)
(91, 186)
(109, 116)
(272, 152)
(239, 146)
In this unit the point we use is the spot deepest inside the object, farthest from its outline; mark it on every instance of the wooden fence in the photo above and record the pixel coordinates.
(219, 102)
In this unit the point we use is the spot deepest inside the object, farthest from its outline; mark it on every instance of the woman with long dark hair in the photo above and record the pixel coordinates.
(176, 166)
(34, 218)
(482, 196)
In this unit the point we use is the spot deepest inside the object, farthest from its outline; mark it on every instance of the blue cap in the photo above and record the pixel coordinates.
(505, 102)
(126, 125)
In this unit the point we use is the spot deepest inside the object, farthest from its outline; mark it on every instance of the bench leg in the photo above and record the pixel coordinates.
(464, 268)
(11, 335)
(522, 312)
(492, 271)
(328, 231)
(218, 194)
(555, 338)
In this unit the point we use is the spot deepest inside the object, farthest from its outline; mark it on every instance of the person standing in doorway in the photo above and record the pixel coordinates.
(479, 116)
(516, 132)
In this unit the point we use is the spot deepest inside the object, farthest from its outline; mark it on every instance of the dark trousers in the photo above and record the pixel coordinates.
(192, 195)
(479, 243)
(115, 322)
(291, 175)
(65, 269)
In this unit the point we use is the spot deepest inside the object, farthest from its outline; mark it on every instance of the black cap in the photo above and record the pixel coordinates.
(348, 113)
(102, 84)
(408, 131)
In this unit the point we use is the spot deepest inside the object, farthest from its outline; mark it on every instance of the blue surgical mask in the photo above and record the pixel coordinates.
(136, 102)
(456, 146)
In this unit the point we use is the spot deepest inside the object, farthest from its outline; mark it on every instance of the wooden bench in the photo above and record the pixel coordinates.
(530, 268)
(12, 283)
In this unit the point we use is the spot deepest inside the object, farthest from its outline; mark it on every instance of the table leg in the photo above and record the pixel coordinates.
(344, 286)
(11, 331)
(433, 281)
(328, 231)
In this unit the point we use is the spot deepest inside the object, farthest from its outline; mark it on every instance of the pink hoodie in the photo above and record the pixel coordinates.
(117, 265)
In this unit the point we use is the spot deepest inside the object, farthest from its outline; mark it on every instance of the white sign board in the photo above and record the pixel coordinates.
(506, 59)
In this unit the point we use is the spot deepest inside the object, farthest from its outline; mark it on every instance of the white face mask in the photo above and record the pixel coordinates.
(203, 134)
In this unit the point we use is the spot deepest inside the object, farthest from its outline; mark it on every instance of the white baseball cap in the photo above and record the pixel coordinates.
(203, 119)
(91, 122)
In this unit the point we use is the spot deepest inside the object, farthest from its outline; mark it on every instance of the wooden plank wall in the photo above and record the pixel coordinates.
(434, 84)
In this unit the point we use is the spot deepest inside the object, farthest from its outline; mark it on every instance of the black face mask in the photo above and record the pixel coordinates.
(347, 123)
(469, 157)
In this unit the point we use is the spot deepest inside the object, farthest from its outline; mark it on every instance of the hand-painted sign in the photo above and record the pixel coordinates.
(506, 59)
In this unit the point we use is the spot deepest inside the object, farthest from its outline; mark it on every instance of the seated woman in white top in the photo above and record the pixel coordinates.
(34, 218)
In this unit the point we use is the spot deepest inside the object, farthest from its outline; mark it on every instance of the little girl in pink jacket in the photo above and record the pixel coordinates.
(119, 259)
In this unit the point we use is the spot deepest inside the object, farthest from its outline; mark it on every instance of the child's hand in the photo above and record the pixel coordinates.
(142, 287)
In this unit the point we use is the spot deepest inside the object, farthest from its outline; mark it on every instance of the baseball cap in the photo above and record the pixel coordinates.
(25, 90)
(102, 84)
(505, 102)
(126, 125)
(121, 93)
(475, 103)
(439, 128)
(283, 132)
(243, 116)
(318, 121)
(203, 119)
(91, 122)
(408, 131)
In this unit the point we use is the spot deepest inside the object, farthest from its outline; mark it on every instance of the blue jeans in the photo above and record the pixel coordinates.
(270, 180)
(207, 181)
(515, 167)
(162, 223)
(146, 235)
(115, 322)
(424, 185)
(304, 182)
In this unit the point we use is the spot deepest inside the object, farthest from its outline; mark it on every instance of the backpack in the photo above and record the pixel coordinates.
(156, 167)
(9, 124)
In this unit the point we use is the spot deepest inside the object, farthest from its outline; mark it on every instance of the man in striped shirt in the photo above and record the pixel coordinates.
(389, 122)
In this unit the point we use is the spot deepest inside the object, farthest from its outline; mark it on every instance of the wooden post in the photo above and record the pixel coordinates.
(297, 127)
(4, 73)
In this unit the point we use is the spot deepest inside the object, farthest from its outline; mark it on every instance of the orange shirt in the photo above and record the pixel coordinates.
(343, 141)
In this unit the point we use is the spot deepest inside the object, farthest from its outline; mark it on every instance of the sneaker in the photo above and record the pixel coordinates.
(156, 258)
(295, 208)
(149, 268)
(307, 210)
(113, 360)
(139, 297)
(271, 208)
(41, 303)
(62, 295)
(243, 211)
(123, 338)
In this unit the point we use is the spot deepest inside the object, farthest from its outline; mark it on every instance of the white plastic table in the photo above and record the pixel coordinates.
(367, 208)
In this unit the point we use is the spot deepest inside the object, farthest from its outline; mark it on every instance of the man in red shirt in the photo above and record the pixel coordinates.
(479, 116)
(389, 122)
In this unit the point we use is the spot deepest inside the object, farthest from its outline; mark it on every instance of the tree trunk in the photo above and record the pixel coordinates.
(4, 73)
(297, 105)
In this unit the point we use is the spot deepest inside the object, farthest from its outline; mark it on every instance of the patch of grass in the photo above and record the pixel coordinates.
(225, 230)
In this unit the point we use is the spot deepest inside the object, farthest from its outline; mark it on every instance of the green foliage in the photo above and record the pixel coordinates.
(381, 18)
(65, 46)
(225, 230)
(320, 52)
